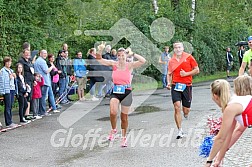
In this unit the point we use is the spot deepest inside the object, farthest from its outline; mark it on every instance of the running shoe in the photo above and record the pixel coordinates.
(124, 142)
(180, 134)
(112, 134)
(186, 116)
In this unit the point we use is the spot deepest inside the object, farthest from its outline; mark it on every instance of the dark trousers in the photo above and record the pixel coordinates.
(29, 98)
(22, 102)
(54, 89)
(8, 102)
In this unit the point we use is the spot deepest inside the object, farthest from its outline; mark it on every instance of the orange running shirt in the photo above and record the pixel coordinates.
(186, 63)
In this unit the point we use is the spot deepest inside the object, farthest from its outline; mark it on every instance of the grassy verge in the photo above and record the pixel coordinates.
(215, 76)
(153, 85)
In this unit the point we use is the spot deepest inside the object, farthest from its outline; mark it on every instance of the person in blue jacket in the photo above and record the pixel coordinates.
(80, 71)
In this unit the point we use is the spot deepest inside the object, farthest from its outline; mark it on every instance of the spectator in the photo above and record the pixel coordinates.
(68, 67)
(113, 55)
(36, 96)
(7, 89)
(28, 69)
(93, 72)
(107, 73)
(42, 68)
(54, 74)
(61, 65)
(229, 58)
(23, 90)
(240, 53)
(80, 74)
(65, 47)
(236, 111)
(163, 60)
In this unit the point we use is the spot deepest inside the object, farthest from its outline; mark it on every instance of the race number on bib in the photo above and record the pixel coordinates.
(119, 89)
(180, 87)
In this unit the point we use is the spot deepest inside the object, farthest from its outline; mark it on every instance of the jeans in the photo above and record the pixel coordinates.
(164, 80)
(100, 89)
(8, 102)
(22, 102)
(51, 98)
(42, 102)
(62, 88)
(54, 89)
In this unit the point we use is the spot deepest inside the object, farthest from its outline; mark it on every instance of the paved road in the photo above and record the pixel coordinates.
(78, 138)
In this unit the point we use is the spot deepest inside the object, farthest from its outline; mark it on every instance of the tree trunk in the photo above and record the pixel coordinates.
(155, 6)
(192, 15)
(192, 18)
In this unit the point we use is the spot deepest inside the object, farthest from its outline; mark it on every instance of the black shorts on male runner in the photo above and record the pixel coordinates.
(185, 96)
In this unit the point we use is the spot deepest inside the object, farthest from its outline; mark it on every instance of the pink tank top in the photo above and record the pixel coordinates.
(121, 77)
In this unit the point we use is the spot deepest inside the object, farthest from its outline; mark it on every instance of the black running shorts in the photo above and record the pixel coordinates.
(185, 96)
(125, 99)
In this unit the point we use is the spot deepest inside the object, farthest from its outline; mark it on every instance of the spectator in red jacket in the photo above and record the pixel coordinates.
(36, 95)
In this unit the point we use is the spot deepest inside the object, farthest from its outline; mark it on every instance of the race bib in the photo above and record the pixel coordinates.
(119, 89)
(180, 87)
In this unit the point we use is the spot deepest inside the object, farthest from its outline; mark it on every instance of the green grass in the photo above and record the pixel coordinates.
(215, 76)
(153, 85)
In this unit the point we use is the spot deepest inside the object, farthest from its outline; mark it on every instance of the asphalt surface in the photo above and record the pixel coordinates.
(77, 136)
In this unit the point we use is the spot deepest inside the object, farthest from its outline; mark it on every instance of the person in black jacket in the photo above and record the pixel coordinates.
(229, 59)
(28, 69)
(107, 72)
(61, 65)
(23, 91)
(94, 70)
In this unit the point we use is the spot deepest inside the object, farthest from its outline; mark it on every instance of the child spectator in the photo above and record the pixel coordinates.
(7, 89)
(23, 90)
(39, 81)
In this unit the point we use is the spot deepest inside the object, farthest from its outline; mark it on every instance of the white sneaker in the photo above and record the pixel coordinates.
(56, 111)
(82, 99)
(37, 117)
(12, 126)
(94, 99)
(180, 134)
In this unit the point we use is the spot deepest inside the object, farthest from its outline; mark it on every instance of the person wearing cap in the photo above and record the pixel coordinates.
(122, 90)
(163, 60)
(247, 57)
